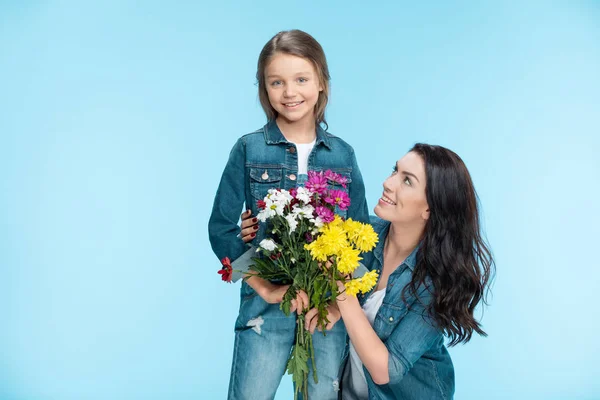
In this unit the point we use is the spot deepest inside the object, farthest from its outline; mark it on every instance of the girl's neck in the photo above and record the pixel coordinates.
(302, 131)
(402, 240)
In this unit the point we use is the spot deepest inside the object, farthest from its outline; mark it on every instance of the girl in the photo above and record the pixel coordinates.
(293, 87)
(434, 268)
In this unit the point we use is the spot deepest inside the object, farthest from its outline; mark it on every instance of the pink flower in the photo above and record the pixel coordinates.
(293, 192)
(336, 178)
(325, 213)
(261, 204)
(316, 182)
(338, 198)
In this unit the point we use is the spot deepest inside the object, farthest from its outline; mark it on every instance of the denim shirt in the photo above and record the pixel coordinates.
(263, 160)
(419, 365)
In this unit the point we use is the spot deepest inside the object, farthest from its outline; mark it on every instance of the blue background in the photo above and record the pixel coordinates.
(116, 119)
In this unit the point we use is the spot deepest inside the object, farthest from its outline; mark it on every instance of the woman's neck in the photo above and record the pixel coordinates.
(402, 240)
(303, 131)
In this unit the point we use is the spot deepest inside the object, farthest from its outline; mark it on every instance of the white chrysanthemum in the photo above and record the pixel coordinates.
(280, 197)
(265, 214)
(292, 223)
(317, 221)
(268, 244)
(303, 212)
(304, 194)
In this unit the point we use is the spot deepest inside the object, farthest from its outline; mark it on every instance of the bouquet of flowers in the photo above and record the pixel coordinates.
(311, 248)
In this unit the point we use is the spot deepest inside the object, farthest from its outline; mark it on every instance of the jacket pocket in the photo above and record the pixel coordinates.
(263, 179)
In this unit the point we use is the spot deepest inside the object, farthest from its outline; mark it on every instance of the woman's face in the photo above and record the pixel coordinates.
(404, 199)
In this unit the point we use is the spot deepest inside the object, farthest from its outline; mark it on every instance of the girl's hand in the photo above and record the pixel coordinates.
(312, 318)
(273, 294)
(249, 226)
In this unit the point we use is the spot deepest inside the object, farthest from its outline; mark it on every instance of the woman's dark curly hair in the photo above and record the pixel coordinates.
(454, 260)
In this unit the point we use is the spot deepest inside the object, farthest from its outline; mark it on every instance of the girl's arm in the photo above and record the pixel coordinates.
(223, 229)
(358, 211)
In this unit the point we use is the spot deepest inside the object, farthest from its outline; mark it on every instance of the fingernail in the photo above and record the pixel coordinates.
(254, 220)
(255, 227)
(253, 235)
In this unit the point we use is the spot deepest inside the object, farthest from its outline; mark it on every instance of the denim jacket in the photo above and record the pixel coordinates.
(263, 160)
(419, 366)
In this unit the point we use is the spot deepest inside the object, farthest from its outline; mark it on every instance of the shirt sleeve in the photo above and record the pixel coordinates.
(358, 210)
(413, 336)
(223, 229)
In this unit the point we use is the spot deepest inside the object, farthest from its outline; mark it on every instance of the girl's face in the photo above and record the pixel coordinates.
(404, 199)
(293, 87)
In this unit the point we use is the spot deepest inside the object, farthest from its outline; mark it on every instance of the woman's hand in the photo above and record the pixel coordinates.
(312, 318)
(249, 226)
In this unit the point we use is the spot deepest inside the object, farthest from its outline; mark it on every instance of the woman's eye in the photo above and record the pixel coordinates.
(407, 181)
(394, 170)
(275, 83)
(302, 80)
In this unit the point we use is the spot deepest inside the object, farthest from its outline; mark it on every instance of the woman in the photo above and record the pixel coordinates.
(434, 269)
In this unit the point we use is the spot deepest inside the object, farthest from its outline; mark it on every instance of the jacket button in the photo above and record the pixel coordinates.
(292, 150)
(391, 319)
(292, 177)
(265, 176)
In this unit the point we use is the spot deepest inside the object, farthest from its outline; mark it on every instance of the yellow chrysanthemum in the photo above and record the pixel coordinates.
(352, 287)
(362, 236)
(347, 260)
(337, 222)
(368, 281)
(318, 250)
(362, 284)
(333, 238)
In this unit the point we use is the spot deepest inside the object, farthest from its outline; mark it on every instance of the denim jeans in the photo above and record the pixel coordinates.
(264, 337)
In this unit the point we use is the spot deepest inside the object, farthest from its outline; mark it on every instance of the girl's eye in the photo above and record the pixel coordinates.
(302, 80)
(407, 181)
(275, 83)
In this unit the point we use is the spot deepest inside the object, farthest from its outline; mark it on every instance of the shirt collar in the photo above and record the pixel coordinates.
(273, 135)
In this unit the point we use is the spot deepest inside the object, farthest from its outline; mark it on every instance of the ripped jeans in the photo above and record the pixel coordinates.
(264, 337)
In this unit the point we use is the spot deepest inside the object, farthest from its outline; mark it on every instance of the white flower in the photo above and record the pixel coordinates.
(304, 194)
(268, 244)
(317, 221)
(304, 212)
(292, 223)
(265, 214)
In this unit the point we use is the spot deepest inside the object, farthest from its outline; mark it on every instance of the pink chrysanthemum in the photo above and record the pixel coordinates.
(316, 182)
(336, 178)
(338, 198)
(325, 214)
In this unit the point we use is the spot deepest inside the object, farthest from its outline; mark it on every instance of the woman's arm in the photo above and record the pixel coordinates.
(372, 351)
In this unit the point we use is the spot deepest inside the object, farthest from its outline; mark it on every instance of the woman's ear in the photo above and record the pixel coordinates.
(425, 215)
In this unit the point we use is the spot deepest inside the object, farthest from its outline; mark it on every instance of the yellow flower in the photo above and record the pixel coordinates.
(362, 235)
(333, 238)
(362, 284)
(347, 260)
(317, 250)
(337, 222)
(352, 287)
(368, 281)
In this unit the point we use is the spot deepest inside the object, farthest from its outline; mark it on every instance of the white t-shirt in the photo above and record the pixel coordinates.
(304, 150)
(355, 382)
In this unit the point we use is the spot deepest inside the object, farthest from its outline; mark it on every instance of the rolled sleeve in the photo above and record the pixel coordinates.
(413, 336)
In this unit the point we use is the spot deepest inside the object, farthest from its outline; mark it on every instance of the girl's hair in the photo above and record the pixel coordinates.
(454, 260)
(301, 44)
